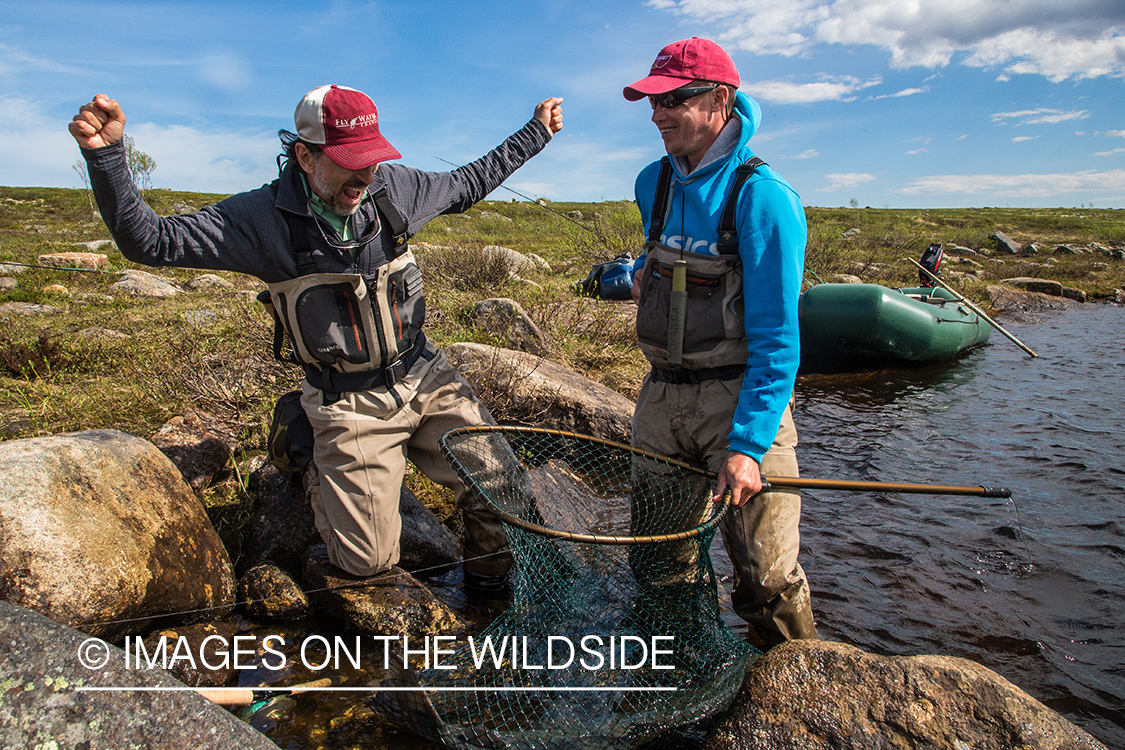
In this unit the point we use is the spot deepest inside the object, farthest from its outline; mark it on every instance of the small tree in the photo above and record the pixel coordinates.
(141, 165)
(80, 167)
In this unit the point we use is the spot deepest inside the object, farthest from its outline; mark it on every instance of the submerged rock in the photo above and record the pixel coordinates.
(817, 695)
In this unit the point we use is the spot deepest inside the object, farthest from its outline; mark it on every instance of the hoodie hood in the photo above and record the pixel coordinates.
(750, 113)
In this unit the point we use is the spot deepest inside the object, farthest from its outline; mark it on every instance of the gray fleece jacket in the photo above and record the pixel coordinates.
(248, 233)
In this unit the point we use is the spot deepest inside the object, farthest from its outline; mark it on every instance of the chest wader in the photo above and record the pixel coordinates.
(352, 331)
(690, 319)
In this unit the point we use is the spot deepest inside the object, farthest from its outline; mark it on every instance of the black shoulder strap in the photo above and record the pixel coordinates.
(299, 236)
(392, 217)
(660, 201)
(728, 233)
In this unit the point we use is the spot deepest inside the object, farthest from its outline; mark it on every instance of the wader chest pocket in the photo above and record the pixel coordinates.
(331, 324)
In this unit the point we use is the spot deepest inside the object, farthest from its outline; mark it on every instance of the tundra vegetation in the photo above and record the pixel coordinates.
(102, 359)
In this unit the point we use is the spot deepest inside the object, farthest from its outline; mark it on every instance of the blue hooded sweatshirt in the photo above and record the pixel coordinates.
(771, 242)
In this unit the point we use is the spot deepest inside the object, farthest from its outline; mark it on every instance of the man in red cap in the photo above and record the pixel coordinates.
(329, 238)
(721, 332)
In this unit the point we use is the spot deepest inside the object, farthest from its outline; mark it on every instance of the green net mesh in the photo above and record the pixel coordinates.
(613, 636)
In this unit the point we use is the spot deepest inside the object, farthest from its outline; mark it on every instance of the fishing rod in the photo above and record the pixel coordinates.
(973, 307)
(529, 199)
(244, 696)
(853, 486)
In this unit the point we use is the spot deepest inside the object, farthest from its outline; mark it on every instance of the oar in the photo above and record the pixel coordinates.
(247, 696)
(974, 308)
(851, 486)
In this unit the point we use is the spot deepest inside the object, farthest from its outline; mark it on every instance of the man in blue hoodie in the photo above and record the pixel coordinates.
(721, 386)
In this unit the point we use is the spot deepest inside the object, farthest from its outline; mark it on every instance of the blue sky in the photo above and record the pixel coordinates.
(899, 103)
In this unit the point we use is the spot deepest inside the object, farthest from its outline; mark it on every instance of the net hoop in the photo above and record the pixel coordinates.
(716, 516)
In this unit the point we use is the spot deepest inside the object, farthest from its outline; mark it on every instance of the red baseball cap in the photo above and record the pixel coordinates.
(345, 123)
(684, 61)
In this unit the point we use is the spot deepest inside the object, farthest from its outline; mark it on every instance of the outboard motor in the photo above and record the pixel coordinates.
(931, 261)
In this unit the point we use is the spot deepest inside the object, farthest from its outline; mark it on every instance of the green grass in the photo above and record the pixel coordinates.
(57, 377)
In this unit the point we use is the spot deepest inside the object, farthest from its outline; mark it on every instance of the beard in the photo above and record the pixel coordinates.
(336, 198)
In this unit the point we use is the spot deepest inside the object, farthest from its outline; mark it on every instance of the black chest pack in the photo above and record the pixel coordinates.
(351, 331)
(690, 318)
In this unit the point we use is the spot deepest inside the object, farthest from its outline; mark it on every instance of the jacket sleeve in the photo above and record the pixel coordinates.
(421, 196)
(771, 235)
(233, 235)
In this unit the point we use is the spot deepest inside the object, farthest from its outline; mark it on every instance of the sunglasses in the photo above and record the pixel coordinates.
(676, 97)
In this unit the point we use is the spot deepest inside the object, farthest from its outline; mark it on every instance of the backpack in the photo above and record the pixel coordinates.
(290, 442)
(610, 280)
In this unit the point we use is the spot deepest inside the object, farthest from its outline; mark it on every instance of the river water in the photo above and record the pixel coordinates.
(1033, 589)
(1037, 596)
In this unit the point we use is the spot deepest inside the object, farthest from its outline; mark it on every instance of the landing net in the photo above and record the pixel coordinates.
(613, 636)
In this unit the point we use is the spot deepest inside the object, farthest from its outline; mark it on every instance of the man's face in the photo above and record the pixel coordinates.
(340, 188)
(690, 128)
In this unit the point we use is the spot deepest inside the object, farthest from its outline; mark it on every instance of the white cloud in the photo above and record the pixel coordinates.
(841, 181)
(1115, 133)
(37, 149)
(1110, 153)
(1041, 116)
(837, 88)
(211, 162)
(1058, 40)
(1022, 138)
(900, 94)
(922, 150)
(807, 154)
(1018, 185)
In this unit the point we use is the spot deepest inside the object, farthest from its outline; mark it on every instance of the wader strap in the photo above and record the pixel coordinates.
(392, 217)
(330, 381)
(266, 298)
(728, 233)
(660, 201)
(299, 237)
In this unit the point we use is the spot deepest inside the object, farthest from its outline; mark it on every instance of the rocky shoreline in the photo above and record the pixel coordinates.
(103, 532)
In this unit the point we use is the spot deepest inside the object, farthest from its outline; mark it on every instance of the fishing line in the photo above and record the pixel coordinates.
(52, 268)
(349, 585)
(529, 199)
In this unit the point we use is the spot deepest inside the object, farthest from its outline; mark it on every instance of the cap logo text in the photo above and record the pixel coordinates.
(661, 61)
(359, 120)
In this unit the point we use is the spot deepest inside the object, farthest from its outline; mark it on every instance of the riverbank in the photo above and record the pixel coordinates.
(81, 353)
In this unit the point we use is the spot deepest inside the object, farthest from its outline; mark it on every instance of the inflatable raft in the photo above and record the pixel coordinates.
(877, 322)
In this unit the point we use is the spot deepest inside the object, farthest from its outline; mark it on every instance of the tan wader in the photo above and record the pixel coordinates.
(692, 422)
(362, 443)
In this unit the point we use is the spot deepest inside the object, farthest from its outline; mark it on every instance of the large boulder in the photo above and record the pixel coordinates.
(517, 386)
(817, 695)
(1014, 301)
(45, 704)
(98, 527)
(506, 319)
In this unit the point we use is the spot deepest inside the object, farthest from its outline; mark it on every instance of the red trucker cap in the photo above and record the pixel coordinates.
(345, 122)
(684, 61)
